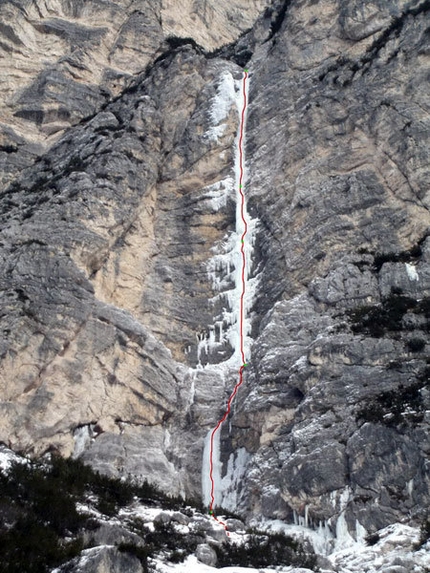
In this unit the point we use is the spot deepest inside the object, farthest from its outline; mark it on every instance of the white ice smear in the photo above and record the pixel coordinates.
(221, 106)
(412, 272)
(343, 537)
(236, 469)
(329, 536)
(321, 539)
(82, 437)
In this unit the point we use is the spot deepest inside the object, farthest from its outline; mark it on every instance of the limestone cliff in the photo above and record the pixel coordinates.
(118, 157)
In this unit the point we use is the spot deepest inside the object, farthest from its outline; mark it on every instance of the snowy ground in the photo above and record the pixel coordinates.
(192, 565)
(396, 549)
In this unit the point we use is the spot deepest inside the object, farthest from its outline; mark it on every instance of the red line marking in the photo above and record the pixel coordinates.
(242, 306)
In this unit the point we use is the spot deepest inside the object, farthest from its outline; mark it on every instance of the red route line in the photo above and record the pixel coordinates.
(242, 305)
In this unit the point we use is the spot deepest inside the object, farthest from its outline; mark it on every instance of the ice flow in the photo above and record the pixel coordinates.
(234, 281)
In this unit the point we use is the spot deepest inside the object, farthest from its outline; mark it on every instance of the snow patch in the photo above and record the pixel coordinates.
(8, 457)
(396, 545)
(301, 363)
(192, 565)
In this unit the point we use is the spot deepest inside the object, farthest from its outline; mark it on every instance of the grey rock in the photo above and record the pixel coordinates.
(401, 561)
(103, 560)
(111, 534)
(206, 555)
(346, 286)
(202, 525)
(363, 19)
(325, 471)
(217, 535)
(181, 518)
(235, 524)
(163, 518)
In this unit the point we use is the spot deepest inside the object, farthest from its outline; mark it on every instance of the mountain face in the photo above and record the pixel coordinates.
(119, 126)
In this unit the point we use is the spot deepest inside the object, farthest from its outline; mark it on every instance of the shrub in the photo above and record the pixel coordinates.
(31, 546)
(388, 408)
(138, 551)
(264, 550)
(34, 492)
(165, 539)
(416, 344)
(38, 513)
(377, 320)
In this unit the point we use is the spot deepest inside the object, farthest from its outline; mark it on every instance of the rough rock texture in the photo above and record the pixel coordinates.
(106, 238)
(107, 235)
(344, 209)
(103, 559)
(62, 60)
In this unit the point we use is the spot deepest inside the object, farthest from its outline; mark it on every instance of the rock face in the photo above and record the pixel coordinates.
(62, 60)
(118, 161)
(345, 211)
(103, 560)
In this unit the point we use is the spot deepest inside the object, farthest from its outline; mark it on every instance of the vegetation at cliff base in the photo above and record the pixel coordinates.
(263, 550)
(40, 526)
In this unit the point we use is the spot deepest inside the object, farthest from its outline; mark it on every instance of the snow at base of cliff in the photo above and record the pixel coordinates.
(192, 565)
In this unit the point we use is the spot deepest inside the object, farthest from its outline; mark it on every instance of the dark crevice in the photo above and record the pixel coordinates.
(394, 29)
(239, 51)
(278, 21)
(177, 42)
(8, 148)
(363, 64)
